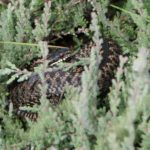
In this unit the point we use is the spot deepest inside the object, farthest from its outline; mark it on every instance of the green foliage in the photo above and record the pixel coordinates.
(76, 122)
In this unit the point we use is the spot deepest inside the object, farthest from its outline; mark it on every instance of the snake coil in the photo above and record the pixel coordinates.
(27, 93)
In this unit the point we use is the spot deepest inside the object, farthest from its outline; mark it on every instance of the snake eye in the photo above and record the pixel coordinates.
(62, 55)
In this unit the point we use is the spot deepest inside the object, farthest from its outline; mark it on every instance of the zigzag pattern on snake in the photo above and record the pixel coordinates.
(27, 93)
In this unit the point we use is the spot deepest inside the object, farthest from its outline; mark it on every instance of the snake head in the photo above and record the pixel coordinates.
(59, 55)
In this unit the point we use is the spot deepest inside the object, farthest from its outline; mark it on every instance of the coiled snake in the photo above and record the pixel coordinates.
(27, 93)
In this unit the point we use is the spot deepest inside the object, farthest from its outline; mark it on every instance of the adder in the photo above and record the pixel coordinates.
(27, 93)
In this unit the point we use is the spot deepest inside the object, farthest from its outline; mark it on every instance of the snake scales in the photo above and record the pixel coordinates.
(27, 93)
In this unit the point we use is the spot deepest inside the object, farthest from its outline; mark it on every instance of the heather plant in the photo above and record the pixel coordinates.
(26, 31)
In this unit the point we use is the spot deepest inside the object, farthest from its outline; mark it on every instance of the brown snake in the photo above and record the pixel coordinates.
(27, 93)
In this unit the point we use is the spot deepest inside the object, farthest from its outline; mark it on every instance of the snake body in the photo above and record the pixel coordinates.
(27, 93)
